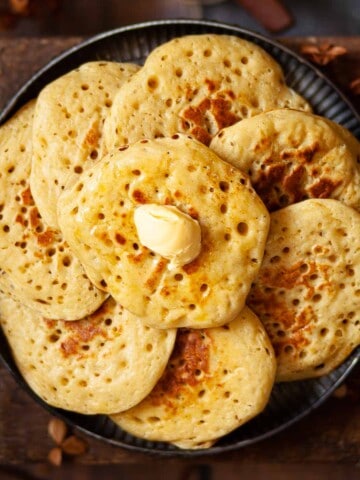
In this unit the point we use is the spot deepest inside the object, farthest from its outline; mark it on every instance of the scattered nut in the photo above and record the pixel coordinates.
(20, 7)
(322, 54)
(57, 430)
(71, 445)
(55, 456)
(341, 392)
(74, 446)
(355, 86)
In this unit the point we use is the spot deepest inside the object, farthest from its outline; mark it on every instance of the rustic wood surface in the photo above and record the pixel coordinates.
(330, 435)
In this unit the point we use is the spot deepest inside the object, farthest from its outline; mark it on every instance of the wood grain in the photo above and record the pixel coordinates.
(21, 58)
(343, 70)
(329, 435)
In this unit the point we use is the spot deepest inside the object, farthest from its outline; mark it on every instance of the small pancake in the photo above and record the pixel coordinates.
(197, 84)
(291, 156)
(307, 292)
(40, 270)
(68, 125)
(216, 380)
(97, 218)
(104, 363)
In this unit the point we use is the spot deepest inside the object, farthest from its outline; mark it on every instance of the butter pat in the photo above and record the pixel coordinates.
(168, 231)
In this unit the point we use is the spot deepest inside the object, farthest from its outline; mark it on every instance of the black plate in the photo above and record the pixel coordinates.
(289, 401)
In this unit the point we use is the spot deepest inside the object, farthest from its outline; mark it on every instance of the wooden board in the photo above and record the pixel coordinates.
(329, 435)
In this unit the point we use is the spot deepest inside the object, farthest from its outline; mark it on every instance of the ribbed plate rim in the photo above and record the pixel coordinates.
(15, 102)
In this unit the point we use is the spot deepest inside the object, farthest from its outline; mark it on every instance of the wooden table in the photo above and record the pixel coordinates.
(329, 436)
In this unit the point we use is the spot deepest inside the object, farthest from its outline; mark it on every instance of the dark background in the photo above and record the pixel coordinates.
(87, 17)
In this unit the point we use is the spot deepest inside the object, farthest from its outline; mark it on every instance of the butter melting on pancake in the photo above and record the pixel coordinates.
(307, 292)
(197, 84)
(104, 363)
(97, 218)
(39, 268)
(216, 380)
(291, 156)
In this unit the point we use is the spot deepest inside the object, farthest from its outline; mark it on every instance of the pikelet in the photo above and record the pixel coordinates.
(98, 219)
(104, 363)
(68, 125)
(37, 266)
(307, 293)
(197, 84)
(291, 155)
(216, 380)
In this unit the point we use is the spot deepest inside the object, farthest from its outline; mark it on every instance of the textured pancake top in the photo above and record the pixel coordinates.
(104, 363)
(68, 124)
(216, 380)
(97, 218)
(291, 156)
(197, 84)
(308, 289)
(40, 270)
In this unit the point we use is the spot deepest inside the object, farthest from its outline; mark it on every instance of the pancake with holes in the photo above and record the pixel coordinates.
(68, 126)
(291, 156)
(308, 289)
(37, 265)
(216, 380)
(175, 234)
(197, 84)
(104, 363)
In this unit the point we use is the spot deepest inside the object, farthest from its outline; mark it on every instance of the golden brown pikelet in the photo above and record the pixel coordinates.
(216, 380)
(307, 292)
(97, 218)
(104, 363)
(292, 155)
(197, 84)
(68, 124)
(39, 268)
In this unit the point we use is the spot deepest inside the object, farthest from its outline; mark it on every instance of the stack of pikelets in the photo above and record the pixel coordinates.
(100, 324)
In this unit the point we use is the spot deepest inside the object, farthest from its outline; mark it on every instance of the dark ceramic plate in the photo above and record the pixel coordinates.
(289, 401)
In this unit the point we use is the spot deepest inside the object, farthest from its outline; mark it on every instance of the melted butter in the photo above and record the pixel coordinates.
(168, 231)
